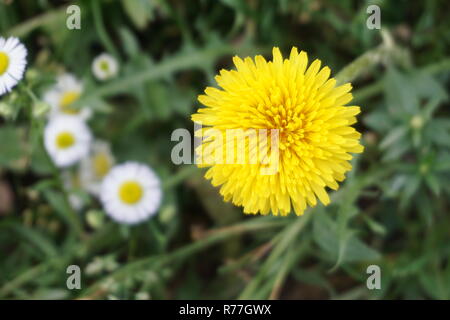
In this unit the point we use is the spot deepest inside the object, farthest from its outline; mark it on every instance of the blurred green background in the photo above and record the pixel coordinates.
(392, 210)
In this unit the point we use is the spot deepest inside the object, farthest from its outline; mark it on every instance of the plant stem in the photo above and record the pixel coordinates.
(101, 31)
(285, 239)
(293, 254)
(360, 65)
(180, 176)
(26, 27)
(23, 278)
(197, 59)
(213, 237)
(73, 216)
(377, 87)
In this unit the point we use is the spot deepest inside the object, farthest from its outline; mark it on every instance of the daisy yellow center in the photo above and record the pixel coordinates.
(130, 192)
(65, 140)
(4, 63)
(104, 66)
(67, 99)
(101, 164)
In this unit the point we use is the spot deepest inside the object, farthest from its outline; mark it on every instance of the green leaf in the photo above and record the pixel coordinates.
(57, 202)
(433, 183)
(396, 184)
(443, 162)
(375, 226)
(396, 151)
(12, 148)
(359, 251)
(424, 204)
(347, 248)
(438, 131)
(324, 233)
(129, 42)
(37, 239)
(39, 161)
(240, 6)
(312, 277)
(379, 120)
(159, 100)
(400, 94)
(427, 86)
(411, 187)
(431, 107)
(434, 286)
(139, 11)
(393, 136)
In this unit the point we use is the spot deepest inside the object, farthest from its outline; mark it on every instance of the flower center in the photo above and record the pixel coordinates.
(4, 63)
(67, 99)
(101, 164)
(130, 192)
(65, 140)
(104, 66)
(291, 121)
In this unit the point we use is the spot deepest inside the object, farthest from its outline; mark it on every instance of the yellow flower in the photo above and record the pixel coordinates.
(315, 137)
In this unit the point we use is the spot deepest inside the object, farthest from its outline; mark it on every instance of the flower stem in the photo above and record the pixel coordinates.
(100, 27)
(73, 217)
(368, 59)
(360, 65)
(211, 238)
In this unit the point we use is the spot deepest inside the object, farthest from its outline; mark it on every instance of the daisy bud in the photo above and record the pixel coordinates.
(31, 75)
(63, 95)
(40, 109)
(5, 110)
(417, 122)
(105, 67)
(95, 218)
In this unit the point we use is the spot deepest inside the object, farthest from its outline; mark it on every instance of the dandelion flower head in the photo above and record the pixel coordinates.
(315, 134)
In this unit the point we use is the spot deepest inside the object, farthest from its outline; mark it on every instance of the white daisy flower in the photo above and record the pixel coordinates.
(96, 166)
(131, 193)
(12, 63)
(67, 140)
(105, 67)
(66, 91)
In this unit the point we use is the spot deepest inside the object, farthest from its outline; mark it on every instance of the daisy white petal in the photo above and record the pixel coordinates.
(63, 94)
(67, 140)
(105, 67)
(12, 63)
(96, 166)
(71, 182)
(131, 193)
